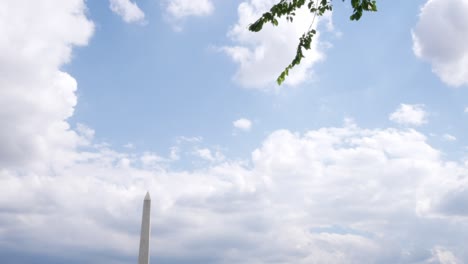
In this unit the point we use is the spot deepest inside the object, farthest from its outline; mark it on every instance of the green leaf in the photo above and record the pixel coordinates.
(288, 9)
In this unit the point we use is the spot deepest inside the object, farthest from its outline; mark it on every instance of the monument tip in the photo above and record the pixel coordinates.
(147, 196)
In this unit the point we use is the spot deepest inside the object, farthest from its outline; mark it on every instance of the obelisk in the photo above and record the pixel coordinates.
(143, 255)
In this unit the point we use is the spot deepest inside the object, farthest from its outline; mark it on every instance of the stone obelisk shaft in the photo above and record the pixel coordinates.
(143, 256)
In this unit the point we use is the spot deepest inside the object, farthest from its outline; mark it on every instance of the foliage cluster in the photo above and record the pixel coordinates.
(288, 8)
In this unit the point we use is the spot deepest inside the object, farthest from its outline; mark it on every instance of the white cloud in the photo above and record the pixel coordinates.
(263, 55)
(128, 10)
(440, 38)
(408, 114)
(35, 95)
(326, 196)
(208, 155)
(448, 137)
(243, 124)
(331, 195)
(466, 110)
(443, 256)
(85, 132)
(189, 147)
(149, 159)
(184, 8)
(178, 10)
(174, 153)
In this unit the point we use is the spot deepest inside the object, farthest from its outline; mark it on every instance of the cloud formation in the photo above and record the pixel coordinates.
(262, 56)
(332, 195)
(178, 10)
(128, 10)
(242, 124)
(411, 115)
(35, 95)
(439, 37)
(184, 8)
(448, 137)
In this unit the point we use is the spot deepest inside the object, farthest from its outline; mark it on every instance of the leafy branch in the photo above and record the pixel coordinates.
(288, 8)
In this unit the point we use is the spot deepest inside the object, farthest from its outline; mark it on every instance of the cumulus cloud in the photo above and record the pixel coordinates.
(407, 114)
(128, 10)
(443, 256)
(179, 10)
(440, 38)
(36, 97)
(194, 149)
(243, 124)
(149, 159)
(332, 195)
(262, 56)
(209, 155)
(184, 8)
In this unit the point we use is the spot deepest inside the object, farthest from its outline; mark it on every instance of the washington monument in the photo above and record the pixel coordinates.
(143, 255)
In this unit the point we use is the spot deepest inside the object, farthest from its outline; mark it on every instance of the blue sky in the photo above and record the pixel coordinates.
(360, 157)
(150, 84)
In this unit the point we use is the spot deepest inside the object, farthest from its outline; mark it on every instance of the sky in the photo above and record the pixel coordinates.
(359, 157)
